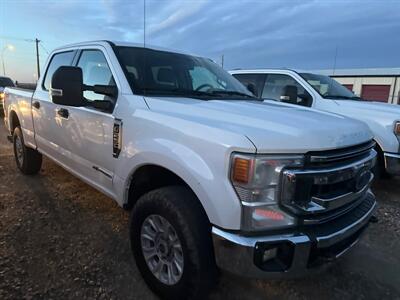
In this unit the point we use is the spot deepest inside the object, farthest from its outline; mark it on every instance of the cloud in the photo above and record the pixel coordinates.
(253, 33)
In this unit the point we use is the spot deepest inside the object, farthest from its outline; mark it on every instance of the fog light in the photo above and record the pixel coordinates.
(269, 254)
(274, 256)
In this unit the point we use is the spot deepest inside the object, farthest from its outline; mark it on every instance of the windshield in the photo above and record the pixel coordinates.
(164, 73)
(328, 87)
(5, 82)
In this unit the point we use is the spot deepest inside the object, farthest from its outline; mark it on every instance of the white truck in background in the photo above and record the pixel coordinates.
(213, 176)
(323, 93)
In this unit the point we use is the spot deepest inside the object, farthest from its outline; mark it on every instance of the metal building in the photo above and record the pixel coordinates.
(380, 84)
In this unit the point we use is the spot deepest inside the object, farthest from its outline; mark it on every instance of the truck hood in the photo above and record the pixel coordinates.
(383, 113)
(270, 127)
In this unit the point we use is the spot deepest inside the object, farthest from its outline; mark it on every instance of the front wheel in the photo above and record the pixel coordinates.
(171, 241)
(28, 160)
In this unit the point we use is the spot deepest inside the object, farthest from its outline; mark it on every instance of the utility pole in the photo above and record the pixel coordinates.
(334, 60)
(222, 61)
(37, 58)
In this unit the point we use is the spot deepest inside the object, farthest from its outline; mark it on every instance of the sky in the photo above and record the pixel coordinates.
(305, 34)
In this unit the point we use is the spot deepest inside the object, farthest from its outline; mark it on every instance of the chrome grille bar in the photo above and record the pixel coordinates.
(343, 154)
(320, 190)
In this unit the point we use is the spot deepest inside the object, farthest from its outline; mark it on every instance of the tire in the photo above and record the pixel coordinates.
(181, 209)
(28, 160)
(379, 168)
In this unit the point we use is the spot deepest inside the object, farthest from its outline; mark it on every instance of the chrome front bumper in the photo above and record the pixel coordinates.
(296, 252)
(392, 163)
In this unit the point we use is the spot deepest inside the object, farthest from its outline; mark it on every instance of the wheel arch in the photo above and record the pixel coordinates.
(13, 121)
(149, 177)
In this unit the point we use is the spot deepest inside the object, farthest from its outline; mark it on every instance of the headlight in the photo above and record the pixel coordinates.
(397, 128)
(256, 181)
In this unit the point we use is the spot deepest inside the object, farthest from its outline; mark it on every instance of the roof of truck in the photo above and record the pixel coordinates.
(120, 43)
(263, 70)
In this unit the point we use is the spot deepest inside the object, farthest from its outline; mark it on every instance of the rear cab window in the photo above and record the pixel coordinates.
(6, 82)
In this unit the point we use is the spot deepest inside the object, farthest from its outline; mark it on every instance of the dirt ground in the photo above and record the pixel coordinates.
(61, 239)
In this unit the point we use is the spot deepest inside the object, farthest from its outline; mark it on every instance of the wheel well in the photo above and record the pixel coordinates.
(148, 178)
(14, 121)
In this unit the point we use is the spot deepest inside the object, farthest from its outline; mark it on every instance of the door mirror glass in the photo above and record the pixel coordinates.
(67, 86)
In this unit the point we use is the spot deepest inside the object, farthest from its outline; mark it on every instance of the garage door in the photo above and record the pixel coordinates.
(348, 86)
(375, 92)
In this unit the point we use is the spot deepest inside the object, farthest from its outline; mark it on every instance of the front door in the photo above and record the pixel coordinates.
(89, 131)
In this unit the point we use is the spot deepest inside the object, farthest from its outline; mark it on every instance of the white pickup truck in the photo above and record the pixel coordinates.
(212, 175)
(324, 93)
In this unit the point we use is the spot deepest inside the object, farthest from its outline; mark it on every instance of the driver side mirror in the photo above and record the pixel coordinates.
(289, 94)
(67, 86)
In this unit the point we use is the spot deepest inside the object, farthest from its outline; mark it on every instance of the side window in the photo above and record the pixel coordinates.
(286, 89)
(58, 60)
(254, 80)
(95, 71)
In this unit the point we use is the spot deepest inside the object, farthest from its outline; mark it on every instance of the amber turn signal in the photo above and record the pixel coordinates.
(241, 170)
(397, 128)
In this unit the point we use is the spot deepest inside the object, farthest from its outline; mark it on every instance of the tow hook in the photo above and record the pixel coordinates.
(374, 219)
(9, 138)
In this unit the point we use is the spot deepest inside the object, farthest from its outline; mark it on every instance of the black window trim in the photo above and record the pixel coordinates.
(74, 51)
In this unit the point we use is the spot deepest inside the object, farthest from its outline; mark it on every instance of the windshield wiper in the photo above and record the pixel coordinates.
(342, 97)
(178, 92)
(233, 93)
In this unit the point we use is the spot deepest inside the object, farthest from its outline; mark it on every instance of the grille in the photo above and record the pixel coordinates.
(338, 156)
(330, 183)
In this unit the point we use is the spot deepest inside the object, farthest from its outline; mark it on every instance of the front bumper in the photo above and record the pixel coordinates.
(293, 253)
(392, 163)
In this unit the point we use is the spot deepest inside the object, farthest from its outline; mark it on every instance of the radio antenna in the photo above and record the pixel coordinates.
(144, 23)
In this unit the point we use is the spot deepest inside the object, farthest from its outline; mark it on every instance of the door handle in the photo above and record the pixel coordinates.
(36, 104)
(62, 112)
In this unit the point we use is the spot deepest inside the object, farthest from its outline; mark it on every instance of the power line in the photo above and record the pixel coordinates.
(36, 41)
(41, 45)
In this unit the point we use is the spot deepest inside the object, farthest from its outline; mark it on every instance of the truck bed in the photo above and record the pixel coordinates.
(19, 100)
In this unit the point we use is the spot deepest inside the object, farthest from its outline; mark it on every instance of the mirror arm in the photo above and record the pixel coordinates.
(102, 89)
(104, 105)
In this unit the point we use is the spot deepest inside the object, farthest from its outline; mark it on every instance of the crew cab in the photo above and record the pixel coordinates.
(213, 176)
(324, 93)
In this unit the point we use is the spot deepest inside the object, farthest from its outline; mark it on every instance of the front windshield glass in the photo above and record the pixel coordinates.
(328, 87)
(163, 73)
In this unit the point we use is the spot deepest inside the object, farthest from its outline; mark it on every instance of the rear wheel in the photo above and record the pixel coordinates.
(28, 160)
(171, 241)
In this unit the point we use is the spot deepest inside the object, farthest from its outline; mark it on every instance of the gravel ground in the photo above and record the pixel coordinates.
(61, 239)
